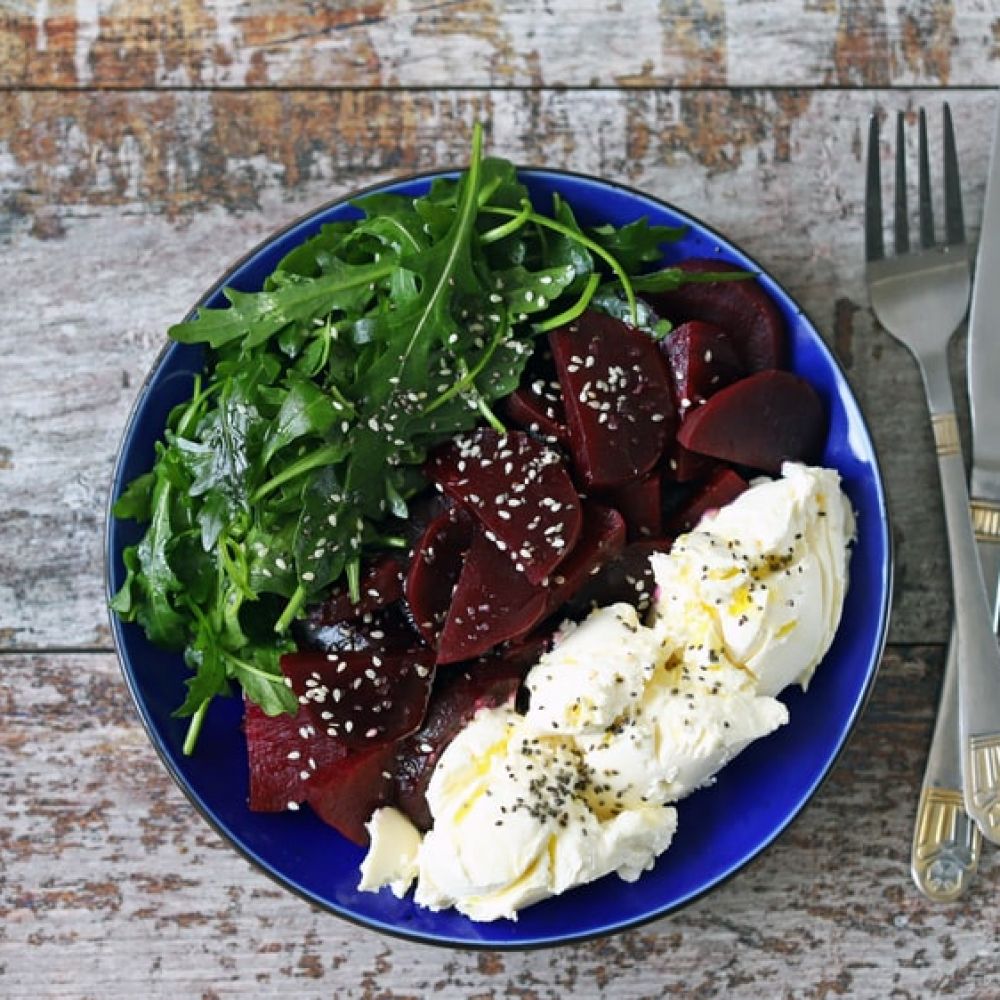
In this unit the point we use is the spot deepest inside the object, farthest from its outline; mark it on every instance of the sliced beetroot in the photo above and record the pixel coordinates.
(364, 699)
(493, 602)
(616, 391)
(761, 421)
(381, 584)
(742, 308)
(284, 753)
(628, 577)
(347, 793)
(520, 491)
(385, 630)
(484, 684)
(640, 503)
(682, 466)
(434, 570)
(702, 360)
(603, 539)
(722, 486)
(538, 409)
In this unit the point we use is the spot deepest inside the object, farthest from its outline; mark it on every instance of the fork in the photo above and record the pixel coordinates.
(920, 296)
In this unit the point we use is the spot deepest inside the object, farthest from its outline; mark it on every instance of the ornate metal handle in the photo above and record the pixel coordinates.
(946, 843)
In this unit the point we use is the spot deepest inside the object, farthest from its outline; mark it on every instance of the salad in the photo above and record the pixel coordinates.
(437, 432)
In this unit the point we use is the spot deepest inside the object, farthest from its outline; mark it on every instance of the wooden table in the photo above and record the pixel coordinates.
(144, 144)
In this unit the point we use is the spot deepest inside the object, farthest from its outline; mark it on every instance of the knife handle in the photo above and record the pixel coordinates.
(946, 843)
(978, 652)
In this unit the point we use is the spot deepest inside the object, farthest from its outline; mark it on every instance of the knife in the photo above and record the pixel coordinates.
(980, 723)
(946, 842)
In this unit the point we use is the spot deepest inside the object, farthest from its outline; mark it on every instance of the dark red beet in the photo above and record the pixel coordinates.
(702, 360)
(493, 602)
(382, 631)
(434, 570)
(538, 408)
(280, 750)
(640, 503)
(742, 308)
(760, 421)
(346, 794)
(519, 489)
(485, 684)
(363, 698)
(627, 578)
(722, 486)
(603, 539)
(616, 391)
(381, 584)
(682, 466)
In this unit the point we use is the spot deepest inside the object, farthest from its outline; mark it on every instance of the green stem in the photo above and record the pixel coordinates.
(506, 228)
(577, 237)
(574, 311)
(469, 376)
(295, 603)
(194, 728)
(353, 571)
(325, 456)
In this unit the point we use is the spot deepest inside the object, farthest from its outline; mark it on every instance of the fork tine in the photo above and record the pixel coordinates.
(924, 188)
(874, 246)
(901, 224)
(954, 222)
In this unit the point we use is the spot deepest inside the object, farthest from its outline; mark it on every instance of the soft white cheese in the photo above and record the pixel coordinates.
(762, 582)
(626, 718)
(392, 853)
(593, 675)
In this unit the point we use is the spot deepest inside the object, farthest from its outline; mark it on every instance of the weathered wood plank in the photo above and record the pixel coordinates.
(484, 43)
(142, 196)
(112, 886)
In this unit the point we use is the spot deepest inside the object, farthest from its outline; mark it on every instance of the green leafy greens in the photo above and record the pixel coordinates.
(300, 449)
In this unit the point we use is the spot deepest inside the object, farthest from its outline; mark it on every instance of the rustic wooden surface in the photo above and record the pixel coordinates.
(144, 144)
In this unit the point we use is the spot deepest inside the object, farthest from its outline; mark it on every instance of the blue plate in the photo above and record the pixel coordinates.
(720, 828)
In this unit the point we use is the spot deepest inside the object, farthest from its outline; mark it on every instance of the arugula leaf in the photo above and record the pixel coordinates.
(637, 243)
(306, 409)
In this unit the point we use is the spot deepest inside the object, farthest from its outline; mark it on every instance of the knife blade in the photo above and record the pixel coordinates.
(981, 754)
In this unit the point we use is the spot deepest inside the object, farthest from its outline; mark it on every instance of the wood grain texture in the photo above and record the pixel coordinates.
(140, 199)
(489, 43)
(112, 886)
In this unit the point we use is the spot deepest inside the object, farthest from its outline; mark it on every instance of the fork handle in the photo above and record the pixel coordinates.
(946, 843)
(978, 652)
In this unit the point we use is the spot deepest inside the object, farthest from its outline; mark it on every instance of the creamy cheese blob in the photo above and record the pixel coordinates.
(626, 718)
(762, 582)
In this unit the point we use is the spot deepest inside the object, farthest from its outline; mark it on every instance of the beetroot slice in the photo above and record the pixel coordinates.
(434, 570)
(702, 360)
(628, 577)
(364, 699)
(683, 466)
(381, 631)
(616, 391)
(640, 502)
(493, 602)
(284, 753)
(381, 584)
(603, 539)
(485, 684)
(722, 487)
(538, 409)
(742, 308)
(347, 793)
(760, 421)
(519, 490)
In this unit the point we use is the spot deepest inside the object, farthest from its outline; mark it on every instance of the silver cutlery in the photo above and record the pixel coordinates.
(920, 296)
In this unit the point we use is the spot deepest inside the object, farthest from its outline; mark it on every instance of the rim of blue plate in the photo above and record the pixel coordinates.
(482, 942)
